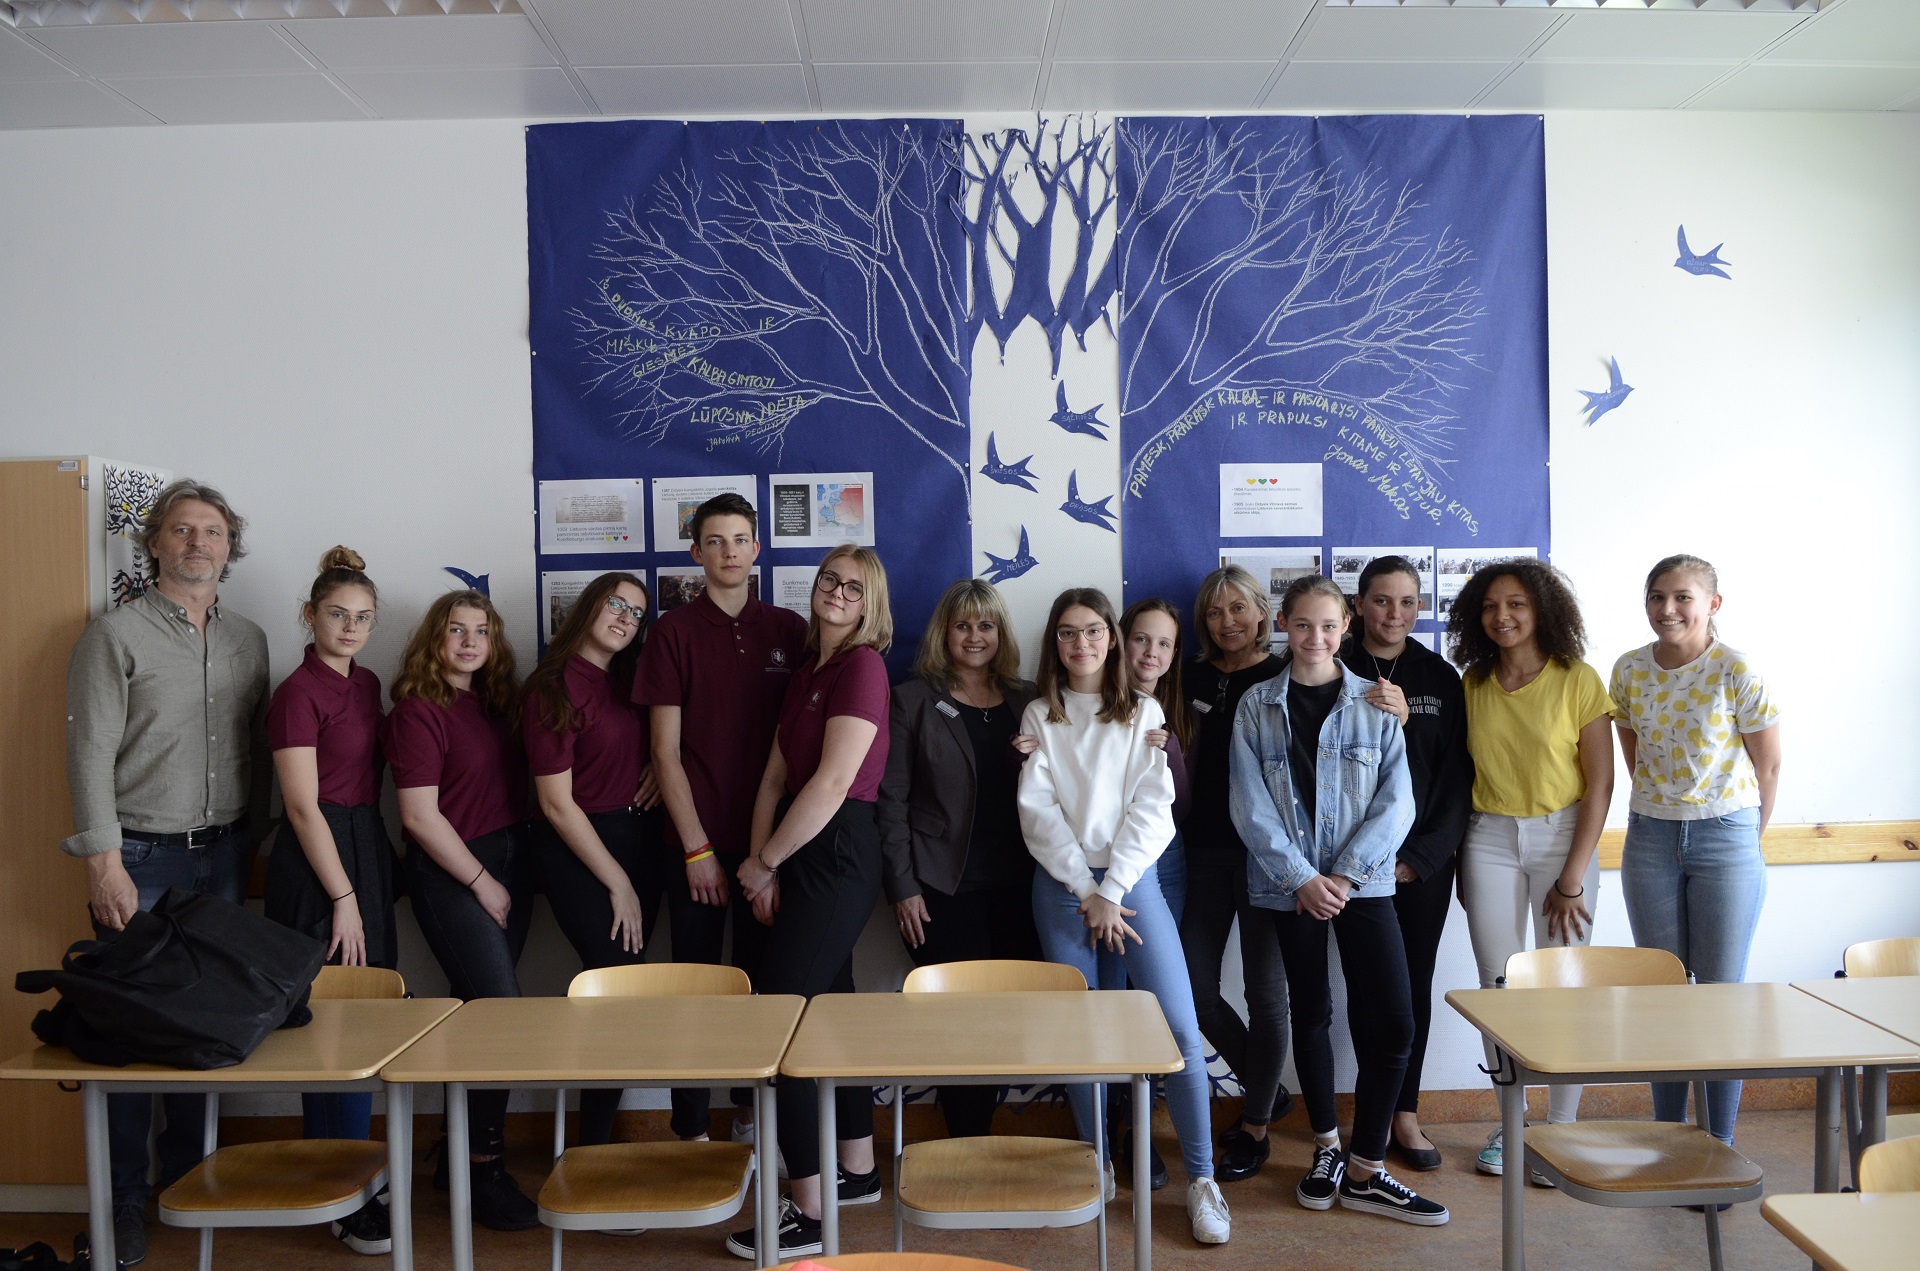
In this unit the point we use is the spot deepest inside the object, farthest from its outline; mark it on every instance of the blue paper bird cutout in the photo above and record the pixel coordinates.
(1001, 568)
(478, 583)
(1080, 421)
(1710, 263)
(1007, 473)
(1599, 404)
(1091, 513)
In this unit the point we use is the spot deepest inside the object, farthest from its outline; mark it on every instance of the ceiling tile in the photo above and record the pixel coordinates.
(926, 30)
(393, 43)
(21, 59)
(240, 99)
(1772, 87)
(1381, 85)
(1658, 34)
(863, 87)
(1858, 31)
(1601, 85)
(1175, 86)
(698, 90)
(671, 32)
(485, 92)
(1416, 34)
(1119, 30)
(68, 103)
(173, 48)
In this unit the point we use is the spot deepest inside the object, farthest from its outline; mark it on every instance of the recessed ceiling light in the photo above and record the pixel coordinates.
(53, 13)
(1684, 6)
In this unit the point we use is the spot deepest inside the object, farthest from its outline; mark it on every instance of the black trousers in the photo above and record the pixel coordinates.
(827, 892)
(584, 911)
(994, 922)
(1379, 1014)
(1422, 908)
(700, 935)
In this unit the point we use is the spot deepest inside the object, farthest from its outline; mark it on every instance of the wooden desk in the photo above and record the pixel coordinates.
(344, 1048)
(1666, 1032)
(983, 1039)
(561, 1042)
(1851, 1232)
(1891, 1002)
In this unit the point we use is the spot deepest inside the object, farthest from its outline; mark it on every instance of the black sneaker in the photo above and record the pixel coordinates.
(859, 1189)
(1318, 1188)
(130, 1234)
(1387, 1196)
(1282, 1105)
(1241, 1155)
(799, 1236)
(368, 1230)
(498, 1202)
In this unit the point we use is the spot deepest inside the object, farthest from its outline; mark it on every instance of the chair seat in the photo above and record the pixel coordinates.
(999, 1174)
(301, 1177)
(639, 1178)
(1640, 1156)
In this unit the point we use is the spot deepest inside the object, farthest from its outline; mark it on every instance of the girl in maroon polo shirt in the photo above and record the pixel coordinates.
(815, 864)
(331, 870)
(462, 782)
(597, 846)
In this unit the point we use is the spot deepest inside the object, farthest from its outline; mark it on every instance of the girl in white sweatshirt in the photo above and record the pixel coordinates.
(1096, 807)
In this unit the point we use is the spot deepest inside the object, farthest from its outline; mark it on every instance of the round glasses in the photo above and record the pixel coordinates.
(622, 608)
(829, 582)
(341, 620)
(1092, 635)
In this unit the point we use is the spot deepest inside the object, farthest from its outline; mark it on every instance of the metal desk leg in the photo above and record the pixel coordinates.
(1513, 1176)
(459, 1176)
(766, 1181)
(400, 1172)
(1873, 1109)
(1142, 1175)
(829, 1168)
(93, 1099)
(1827, 1132)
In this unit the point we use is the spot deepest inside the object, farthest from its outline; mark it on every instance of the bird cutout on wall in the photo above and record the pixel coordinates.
(477, 582)
(1080, 421)
(1091, 513)
(1600, 403)
(1007, 473)
(1001, 568)
(1710, 263)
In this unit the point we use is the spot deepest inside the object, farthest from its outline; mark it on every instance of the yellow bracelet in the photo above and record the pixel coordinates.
(699, 856)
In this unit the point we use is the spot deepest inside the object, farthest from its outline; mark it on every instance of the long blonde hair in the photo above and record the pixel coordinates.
(875, 628)
(970, 598)
(423, 669)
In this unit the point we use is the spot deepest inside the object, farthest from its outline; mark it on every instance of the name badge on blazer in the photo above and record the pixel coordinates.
(946, 709)
(1205, 708)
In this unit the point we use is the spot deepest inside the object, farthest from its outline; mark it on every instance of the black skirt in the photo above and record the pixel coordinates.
(296, 899)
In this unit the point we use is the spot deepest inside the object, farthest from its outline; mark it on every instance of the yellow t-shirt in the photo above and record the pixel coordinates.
(1526, 745)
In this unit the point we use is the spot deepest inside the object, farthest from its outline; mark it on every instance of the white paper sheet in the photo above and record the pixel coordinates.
(599, 516)
(819, 509)
(1270, 500)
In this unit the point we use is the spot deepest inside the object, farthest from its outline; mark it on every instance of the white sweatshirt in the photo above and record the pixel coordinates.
(1095, 794)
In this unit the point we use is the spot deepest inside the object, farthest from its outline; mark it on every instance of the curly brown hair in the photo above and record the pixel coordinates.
(423, 672)
(1558, 629)
(546, 689)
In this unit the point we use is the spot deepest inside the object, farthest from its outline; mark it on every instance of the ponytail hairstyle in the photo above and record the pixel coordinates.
(423, 673)
(340, 567)
(1686, 563)
(1116, 681)
(546, 689)
(1378, 567)
(1168, 692)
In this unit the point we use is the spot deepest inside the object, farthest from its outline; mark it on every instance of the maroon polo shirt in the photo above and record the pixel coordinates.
(339, 716)
(468, 752)
(853, 682)
(605, 749)
(727, 676)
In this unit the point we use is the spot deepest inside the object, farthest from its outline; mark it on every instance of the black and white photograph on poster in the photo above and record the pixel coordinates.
(793, 588)
(558, 590)
(1457, 564)
(676, 585)
(676, 498)
(818, 509)
(592, 517)
(1274, 568)
(1349, 561)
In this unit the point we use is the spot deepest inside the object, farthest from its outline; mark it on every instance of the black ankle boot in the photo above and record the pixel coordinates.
(498, 1202)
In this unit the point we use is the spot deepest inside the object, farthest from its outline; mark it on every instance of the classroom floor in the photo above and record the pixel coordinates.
(1270, 1229)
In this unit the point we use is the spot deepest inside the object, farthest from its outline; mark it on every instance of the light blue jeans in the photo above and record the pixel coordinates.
(1695, 888)
(1157, 965)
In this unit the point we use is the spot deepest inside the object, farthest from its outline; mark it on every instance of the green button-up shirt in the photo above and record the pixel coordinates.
(166, 731)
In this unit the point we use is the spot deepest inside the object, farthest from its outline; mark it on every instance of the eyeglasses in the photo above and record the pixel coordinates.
(341, 620)
(829, 582)
(620, 608)
(1092, 635)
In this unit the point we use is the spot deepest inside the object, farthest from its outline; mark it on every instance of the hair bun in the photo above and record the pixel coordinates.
(342, 558)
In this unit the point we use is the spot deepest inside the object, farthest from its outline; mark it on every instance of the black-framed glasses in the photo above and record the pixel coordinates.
(620, 607)
(829, 582)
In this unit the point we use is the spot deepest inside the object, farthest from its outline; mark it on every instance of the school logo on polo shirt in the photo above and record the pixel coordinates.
(779, 657)
(813, 703)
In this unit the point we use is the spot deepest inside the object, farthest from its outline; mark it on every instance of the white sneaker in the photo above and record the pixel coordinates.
(1107, 1190)
(743, 1133)
(1207, 1211)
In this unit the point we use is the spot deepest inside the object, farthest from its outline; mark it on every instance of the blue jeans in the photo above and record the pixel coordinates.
(1157, 965)
(1695, 888)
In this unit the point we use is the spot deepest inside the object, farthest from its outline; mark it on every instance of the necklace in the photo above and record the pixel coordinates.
(1388, 677)
(986, 712)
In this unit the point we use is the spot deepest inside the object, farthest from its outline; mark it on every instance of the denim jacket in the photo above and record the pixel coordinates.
(1364, 799)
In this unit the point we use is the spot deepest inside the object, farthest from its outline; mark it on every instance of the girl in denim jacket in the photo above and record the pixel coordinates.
(1321, 794)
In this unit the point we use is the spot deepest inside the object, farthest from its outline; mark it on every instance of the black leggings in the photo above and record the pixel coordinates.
(700, 935)
(1422, 907)
(1379, 1014)
(584, 911)
(827, 892)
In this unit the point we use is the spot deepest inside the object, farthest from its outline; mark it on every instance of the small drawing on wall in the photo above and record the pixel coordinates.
(1007, 473)
(1707, 263)
(1080, 421)
(1600, 403)
(130, 495)
(1001, 568)
(1094, 513)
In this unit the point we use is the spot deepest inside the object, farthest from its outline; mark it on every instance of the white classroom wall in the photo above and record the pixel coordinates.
(329, 323)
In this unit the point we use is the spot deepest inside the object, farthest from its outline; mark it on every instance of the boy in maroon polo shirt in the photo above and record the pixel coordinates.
(713, 676)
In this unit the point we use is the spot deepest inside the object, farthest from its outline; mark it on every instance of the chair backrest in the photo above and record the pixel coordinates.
(994, 975)
(661, 979)
(1592, 966)
(357, 981)
(1898, 956)
(1893, 1166)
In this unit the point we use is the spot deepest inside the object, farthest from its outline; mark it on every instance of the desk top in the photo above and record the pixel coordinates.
(503, 1040)
(350, 1039)
(1891, 1002)
(1676, 1027)
(1849, 1231)
(930, 1035)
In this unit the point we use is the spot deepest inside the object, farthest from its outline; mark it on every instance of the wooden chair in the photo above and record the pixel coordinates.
(1893, 1166)
(995, 1181)
(1898, 956)
(624, 1186)
(1632, 1164)
(292, 1182)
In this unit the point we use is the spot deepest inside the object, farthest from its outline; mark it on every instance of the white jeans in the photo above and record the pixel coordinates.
(1506, 866)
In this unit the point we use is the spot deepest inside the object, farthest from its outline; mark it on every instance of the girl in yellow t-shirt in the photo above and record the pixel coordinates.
(1537, 727)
